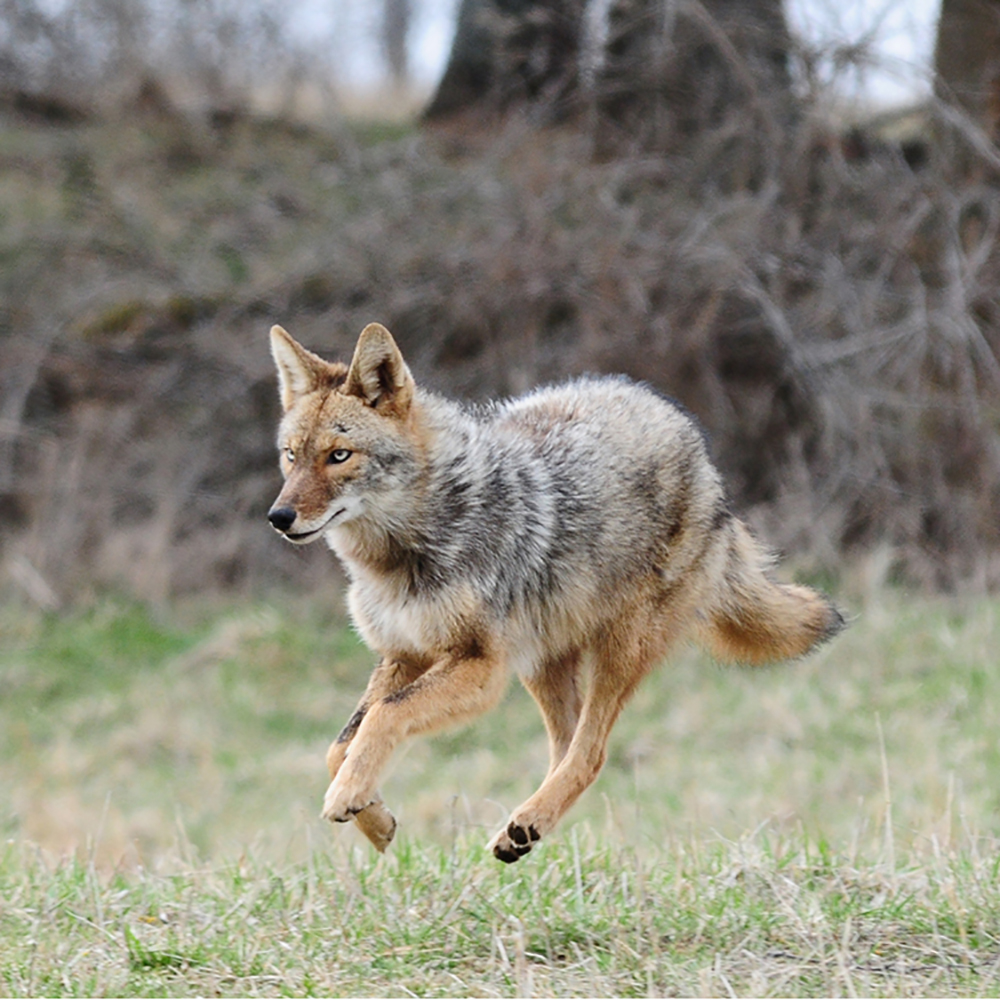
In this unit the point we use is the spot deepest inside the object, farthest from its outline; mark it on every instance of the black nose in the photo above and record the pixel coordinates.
(281, 517)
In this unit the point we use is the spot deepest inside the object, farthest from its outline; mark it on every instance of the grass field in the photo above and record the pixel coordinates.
(823, 828)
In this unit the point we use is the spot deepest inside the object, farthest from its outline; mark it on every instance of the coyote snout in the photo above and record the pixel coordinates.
(282, 518)
(581, 524)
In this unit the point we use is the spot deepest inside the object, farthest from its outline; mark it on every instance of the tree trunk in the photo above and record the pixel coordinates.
(511, 52)
(674, 71)
(967, 60)
(396, 18)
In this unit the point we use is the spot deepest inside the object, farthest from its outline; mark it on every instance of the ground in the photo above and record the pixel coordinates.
(825, 827)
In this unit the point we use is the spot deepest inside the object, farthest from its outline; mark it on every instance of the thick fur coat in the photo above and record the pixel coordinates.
(571, 536)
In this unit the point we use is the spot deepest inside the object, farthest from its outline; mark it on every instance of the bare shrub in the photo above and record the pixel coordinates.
(833, 321)
(96, 55)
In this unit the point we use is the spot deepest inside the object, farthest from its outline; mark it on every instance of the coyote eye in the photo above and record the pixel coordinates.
(290, 454)
(338, 455)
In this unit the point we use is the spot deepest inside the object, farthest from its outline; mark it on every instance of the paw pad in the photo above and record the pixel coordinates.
(516, 842)
(517, 833)
(505, 855)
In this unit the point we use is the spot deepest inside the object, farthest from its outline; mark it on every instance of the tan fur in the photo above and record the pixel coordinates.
(755, 620)
(579, 531)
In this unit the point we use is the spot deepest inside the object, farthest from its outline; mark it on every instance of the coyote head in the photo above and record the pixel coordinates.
(346, 446)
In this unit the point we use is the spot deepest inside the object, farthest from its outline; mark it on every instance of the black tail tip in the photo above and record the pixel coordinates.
(835, 624)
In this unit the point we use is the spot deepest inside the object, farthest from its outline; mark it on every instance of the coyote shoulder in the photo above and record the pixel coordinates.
(573, 535)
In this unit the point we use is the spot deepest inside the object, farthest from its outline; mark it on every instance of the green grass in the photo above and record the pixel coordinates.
(761, 916)
(826, 827)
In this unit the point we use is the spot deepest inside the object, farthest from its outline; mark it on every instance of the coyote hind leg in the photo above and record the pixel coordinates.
(555, 687)
(618, 668)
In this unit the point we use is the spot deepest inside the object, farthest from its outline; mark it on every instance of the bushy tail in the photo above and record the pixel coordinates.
(754, 620)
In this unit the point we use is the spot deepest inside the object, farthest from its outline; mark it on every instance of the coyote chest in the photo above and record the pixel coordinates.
(396, 622)
(420, 628)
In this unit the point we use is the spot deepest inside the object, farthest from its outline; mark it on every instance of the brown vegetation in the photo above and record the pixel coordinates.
(831, 315)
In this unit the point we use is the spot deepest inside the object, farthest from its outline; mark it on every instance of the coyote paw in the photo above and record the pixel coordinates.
(342, 803)
(377, 824)
(514, 841)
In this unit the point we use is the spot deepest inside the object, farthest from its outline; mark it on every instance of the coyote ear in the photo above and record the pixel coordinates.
(299, 371)
(378, 374)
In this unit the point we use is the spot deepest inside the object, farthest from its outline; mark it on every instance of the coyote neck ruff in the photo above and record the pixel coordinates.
(579, 526)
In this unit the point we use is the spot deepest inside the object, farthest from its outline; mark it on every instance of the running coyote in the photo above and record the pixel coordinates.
(576, 533)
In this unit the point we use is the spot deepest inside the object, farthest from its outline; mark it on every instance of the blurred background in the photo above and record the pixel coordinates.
(782, 213)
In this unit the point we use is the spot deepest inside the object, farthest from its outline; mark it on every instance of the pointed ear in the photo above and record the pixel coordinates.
(299, 371)
(378, 374)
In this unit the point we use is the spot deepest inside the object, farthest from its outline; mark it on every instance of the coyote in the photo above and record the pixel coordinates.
(573, 536)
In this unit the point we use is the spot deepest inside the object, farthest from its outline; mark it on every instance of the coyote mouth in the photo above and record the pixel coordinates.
(307, 536)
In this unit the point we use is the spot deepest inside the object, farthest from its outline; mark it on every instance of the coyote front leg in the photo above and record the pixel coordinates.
(386, 679)
(376, 822)
(454, 689)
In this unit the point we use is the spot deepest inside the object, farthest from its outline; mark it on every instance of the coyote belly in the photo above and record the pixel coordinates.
(581, 524)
